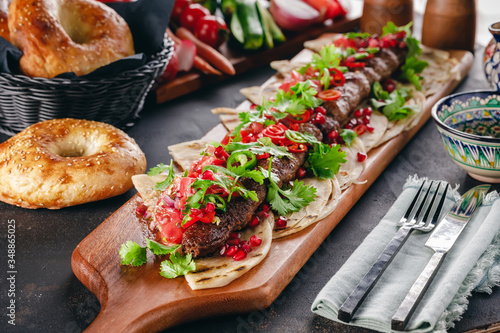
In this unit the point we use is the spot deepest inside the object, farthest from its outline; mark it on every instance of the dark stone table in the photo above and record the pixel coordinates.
(49, 298)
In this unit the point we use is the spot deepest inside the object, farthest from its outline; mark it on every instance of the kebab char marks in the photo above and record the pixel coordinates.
(285, 161)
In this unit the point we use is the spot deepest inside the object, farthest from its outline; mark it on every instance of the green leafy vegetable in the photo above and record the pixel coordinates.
(411, 69)
(133, 254)
(177, 265)
(160, 249)
(348, 135)
(324, 161)
(392, 105)
(288, 199)
(162, 186)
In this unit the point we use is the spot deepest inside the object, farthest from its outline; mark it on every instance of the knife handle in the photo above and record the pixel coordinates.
(352, 303)
(409, 304)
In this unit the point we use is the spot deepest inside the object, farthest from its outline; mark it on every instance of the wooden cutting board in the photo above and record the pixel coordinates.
(140, 300)
(188, 82)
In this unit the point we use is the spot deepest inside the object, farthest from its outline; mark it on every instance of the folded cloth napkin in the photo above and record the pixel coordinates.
(464, 267)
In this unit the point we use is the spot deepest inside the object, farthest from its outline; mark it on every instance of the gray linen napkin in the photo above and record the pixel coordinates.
(451, 285)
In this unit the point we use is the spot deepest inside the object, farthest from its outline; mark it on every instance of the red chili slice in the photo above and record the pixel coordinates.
(337, 76)
(330, 94)
(297, 148)
(300, 118)
(355, 64)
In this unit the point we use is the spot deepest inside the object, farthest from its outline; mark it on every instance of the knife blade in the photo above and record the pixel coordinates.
(441, 241)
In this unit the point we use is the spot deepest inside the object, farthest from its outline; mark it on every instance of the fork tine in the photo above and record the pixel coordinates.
(405, 217)
(418, 214)
(435, 205)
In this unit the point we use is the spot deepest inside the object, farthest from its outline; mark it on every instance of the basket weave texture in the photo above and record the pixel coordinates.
(114, 100)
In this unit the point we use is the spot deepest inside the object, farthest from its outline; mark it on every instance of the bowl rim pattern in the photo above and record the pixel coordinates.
(449, 101)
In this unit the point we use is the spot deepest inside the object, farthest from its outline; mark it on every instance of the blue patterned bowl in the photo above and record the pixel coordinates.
(469, 124)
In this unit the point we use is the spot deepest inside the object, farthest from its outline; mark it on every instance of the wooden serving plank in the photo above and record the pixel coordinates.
(194, 80)
(140, 300)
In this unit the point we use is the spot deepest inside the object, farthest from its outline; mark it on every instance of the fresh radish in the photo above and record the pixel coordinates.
(171, 70)
(293, 14)
(186, 52)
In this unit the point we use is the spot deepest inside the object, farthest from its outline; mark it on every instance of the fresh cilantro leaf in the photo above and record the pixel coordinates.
(394, 112)
(324, 161)
(158, 169)
(277, 202)
(288, 199)
(160, 249)
(348, 135)
(411, 69)
(177, 265)
(414, 48)
(162, 186)
(133, 254)
(379, 92)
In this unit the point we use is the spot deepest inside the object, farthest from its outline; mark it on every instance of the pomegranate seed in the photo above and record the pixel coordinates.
(350, 59)
(367, 111)
(390, 88)
(141, 209)
(235, 235)
(253, 106)
(239, 255)
(301, 172)
(361, 157)
(231, 251)
(373, 43)
(333, 135)
(354, 122)
(245, 246)
(402, 45)
(280, 222)
(233, 241)
(223, 250)
(366, 120)
(319, 118)
(369, 128)
(358, 113)
(266, 208)
(254, 221)
(321, 110)
(348, 126)
(255, 240)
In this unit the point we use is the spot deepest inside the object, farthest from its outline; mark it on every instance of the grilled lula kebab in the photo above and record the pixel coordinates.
(363, 69)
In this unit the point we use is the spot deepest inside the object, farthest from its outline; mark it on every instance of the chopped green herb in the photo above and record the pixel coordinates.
(162, 186)
(160, 249)
(348, 135)
(324, 161)
(132, 254)
(177, 265)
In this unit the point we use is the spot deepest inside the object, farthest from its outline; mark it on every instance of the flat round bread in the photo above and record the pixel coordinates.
(352, 168)
(145, 185)
(217, 271)
(185, 153)
(328, 193)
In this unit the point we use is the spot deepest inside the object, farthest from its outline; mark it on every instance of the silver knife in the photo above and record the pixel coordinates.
(441, 240)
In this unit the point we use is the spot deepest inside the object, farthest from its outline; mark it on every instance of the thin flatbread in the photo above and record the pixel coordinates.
(352, 168)
(316, 44)
(230, 121)
(313, 212)
(285, 67)
(258, 94)
(145, 185)
(217, 271)
(185, 153)
(440, 70)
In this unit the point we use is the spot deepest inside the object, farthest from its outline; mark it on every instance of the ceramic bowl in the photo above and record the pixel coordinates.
(469, 124)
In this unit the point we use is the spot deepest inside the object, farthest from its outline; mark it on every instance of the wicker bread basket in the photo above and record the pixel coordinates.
(115, 100)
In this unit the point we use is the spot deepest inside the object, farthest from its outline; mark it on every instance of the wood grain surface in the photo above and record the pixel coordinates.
(138, 299)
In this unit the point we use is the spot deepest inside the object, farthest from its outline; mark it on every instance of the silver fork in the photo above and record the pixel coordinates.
(416, 217)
